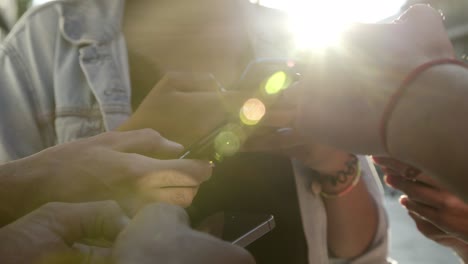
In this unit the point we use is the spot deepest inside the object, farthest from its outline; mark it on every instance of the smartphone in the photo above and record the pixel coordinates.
(242, 229)
(265, 79)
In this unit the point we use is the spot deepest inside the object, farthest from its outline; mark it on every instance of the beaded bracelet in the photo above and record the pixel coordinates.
(396, 96)
(347, 189)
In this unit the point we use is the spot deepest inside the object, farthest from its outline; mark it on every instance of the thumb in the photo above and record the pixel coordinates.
(74, 222)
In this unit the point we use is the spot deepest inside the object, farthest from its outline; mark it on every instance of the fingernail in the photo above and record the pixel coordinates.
(403, 200)
(376, 160)
(391, 180)
(174, 144)
(387, 180)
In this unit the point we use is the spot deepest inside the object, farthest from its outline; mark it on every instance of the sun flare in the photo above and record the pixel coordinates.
(317, 24)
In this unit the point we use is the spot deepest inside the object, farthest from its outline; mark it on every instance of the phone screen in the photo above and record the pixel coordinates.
(244, 228)
(265, 79)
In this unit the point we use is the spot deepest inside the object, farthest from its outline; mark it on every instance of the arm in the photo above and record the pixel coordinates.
(356, 222)
(352, 220)
(436, 130)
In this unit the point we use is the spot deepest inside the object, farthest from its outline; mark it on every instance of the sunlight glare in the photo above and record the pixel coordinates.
(317, 24)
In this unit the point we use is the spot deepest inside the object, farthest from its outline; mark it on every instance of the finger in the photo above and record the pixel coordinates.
(189, 82)
(214, 251)
(417, 191)
(290, 97)
(426, 228)
(144, 141)
(93, 254)
(234, 101)
(171, 233)
(397, 166)
(279, 140)
(73, 222)
(169, 173)
(423, 211)
(429, 181)
(279, 118)
(160, 216)
(176, 196)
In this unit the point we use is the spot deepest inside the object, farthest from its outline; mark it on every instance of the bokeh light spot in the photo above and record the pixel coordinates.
(276, 82)
(227, 143)
(252, 111)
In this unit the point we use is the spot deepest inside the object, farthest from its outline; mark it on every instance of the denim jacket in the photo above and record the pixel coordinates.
(65, 76)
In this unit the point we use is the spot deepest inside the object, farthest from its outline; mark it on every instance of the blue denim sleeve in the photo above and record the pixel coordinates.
(20, 133)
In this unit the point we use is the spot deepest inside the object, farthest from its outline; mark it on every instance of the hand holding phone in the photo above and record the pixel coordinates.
(265, 79)
(242, 229)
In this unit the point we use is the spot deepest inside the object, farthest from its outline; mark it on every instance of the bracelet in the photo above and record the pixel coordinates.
(347, 189)
(396, 96)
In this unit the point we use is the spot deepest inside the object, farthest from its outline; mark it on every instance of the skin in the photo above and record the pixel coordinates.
(345, 90)
(48, 234)
(438, 214)
(349, 234)
(51, 233)
(152, 42)
(133, 176)
(170, 235)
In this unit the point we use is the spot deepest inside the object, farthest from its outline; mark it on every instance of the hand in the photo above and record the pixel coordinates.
(438, 213)
(185, 107)
(439, 236)
(161, 233)
(346, 88)
(114, 165)
(47, 235)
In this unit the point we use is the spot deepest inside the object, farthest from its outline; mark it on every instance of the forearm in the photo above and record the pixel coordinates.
(352, 222)
(429, 127)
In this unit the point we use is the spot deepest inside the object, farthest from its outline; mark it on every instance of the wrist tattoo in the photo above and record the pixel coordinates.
(342, 176)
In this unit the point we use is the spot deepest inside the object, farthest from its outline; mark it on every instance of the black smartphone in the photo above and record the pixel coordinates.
(265, 79)
(242, 229)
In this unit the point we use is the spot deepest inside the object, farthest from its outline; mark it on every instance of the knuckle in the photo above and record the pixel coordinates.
(111, 206)
(110, 137)
(52, 207)
(132, 167)
(447, 203)
(203, 170)
(150, 133)
(51, 212)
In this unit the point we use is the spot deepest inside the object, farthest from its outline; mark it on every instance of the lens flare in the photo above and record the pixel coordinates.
(277, 82)
(227, 143)
(318, 24)
(252, 111)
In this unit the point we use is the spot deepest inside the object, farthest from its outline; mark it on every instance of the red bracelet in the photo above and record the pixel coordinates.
(388, 110)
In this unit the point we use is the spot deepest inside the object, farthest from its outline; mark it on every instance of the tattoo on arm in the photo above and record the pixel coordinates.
(342, 176)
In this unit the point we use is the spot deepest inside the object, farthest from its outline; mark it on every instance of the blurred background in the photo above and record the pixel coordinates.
(330, 17)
